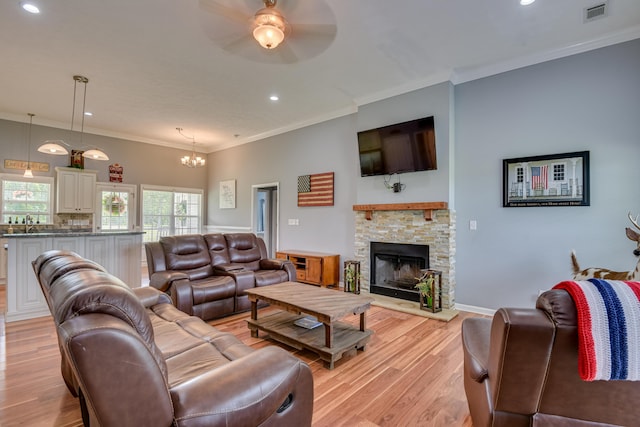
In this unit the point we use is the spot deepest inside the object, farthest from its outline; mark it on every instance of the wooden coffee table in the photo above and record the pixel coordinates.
(331, 340)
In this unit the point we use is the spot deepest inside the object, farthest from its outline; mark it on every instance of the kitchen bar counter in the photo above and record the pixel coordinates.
(69, 233)
(118, 252)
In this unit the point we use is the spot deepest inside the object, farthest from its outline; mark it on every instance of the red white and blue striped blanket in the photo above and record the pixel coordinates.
(608, 328)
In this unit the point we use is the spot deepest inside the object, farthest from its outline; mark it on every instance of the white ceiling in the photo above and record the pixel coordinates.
(154, 65)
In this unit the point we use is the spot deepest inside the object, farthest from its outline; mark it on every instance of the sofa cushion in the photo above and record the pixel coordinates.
(188, 254)
(243, 248)
(217, 247)
(212, 289)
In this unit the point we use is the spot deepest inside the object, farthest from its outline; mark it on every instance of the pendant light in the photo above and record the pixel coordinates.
(58, 147)
(191, 161)
(27, 172)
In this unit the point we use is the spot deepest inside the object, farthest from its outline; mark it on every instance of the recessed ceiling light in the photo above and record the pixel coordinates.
(88, 113)
(526, 2)
(274, 97)
(30, 7)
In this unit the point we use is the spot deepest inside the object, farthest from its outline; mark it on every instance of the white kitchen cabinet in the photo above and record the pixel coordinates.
(127, 261)
(75, 190)
(3, 262)
(119, 253)
(25, 300)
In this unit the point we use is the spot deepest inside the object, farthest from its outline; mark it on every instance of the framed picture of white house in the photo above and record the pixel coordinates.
(548, 180)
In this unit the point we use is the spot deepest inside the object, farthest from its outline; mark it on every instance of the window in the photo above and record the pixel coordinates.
(558, 172)
(116, 209)
(27, 196)
(519, 174)
(170, 211)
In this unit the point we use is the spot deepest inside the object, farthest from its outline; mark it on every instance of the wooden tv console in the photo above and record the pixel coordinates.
(316, 268)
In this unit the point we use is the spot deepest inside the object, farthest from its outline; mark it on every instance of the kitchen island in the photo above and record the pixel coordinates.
(119, 252)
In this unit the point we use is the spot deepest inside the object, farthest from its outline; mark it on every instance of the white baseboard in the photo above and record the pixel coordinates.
(475, 309)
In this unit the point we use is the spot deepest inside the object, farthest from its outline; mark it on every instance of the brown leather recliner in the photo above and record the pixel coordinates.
(206, 275)
(135, 360)
(521, 369)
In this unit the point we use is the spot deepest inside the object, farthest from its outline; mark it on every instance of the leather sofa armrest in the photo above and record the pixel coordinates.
(476, 333)
(149, 296)
(162, 280)
(267, 387)
(279, 264)
(182, 295)
(272, 264)
(228, 267)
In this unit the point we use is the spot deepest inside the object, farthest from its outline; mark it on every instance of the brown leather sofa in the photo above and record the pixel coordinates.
(133, 359)
(206, 275)
(521, 369)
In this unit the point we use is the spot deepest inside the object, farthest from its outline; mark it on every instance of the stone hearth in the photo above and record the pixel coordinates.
(409, 223)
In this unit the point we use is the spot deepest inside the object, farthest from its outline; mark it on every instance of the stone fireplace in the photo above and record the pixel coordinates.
(431, 225)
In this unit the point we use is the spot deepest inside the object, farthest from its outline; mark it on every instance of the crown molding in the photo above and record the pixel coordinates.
(474, 73)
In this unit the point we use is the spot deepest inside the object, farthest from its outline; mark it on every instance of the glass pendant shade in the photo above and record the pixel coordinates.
(270, 27)
(53, 147)
(95, 154)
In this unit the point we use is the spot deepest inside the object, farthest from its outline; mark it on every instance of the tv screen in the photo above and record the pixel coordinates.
(399, 148)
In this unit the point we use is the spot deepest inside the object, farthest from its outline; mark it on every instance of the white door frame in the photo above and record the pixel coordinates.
(254, 192)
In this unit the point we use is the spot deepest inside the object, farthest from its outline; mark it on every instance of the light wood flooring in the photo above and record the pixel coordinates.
(409, 375)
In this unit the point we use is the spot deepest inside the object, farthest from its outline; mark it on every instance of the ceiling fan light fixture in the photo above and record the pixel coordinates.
(270, 26)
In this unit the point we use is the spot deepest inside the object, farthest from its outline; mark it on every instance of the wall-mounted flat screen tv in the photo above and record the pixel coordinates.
(399, 148)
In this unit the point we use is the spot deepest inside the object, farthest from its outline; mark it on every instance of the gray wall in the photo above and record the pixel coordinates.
(331, 146)
(143, 163)
(589, 102)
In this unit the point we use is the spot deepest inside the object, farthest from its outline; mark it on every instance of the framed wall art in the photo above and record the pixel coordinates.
(228, 194)
(549, 180)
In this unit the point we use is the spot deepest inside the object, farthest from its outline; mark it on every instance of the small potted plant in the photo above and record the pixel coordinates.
(425, 288)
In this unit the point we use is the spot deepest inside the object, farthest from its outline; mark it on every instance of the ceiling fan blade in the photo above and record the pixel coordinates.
(315, 30)
(286, 54)
(241, 44)
(216, 8)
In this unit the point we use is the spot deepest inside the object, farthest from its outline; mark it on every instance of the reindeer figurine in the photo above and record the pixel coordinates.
(603, 273)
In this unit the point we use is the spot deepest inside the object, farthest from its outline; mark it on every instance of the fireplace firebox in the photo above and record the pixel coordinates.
(395, 268)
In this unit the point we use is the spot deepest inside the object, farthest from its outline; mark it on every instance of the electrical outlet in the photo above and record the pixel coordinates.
(473, 225)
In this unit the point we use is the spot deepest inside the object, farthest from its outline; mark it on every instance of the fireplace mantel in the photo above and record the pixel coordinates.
(426, 207)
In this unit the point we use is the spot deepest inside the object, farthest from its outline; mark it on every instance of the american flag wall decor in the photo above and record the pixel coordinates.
(315, 190)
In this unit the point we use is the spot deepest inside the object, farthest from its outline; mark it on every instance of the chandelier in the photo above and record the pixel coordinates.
(191, 161)
(59, 147)
(270, 26)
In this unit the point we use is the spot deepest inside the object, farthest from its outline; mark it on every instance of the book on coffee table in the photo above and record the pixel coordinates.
(308, 322)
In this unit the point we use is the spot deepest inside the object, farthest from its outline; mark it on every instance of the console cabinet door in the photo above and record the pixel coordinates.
(314, 270)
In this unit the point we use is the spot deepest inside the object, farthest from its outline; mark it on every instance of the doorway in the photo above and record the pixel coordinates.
(265, 214)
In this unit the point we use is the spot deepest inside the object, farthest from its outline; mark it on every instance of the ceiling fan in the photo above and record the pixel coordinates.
(285, 31)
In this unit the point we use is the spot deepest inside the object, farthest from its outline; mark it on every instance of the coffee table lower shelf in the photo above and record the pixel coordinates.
(280, 327)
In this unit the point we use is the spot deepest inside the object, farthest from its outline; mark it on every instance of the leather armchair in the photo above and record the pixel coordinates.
(521, 369)
(133, 359)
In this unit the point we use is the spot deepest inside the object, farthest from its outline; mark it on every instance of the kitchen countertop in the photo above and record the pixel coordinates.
(70, 233)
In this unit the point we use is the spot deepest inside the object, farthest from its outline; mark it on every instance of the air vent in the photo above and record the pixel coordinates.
(595, 12)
